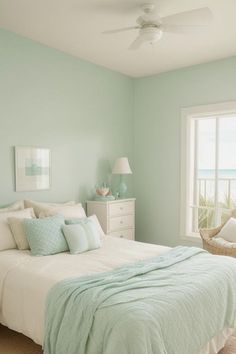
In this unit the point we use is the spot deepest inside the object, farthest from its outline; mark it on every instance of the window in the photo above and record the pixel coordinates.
(208, 166)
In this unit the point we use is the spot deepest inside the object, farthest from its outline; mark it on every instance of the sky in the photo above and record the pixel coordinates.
(207, 143)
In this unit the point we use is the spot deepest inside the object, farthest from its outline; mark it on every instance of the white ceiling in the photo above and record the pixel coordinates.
(75, 27)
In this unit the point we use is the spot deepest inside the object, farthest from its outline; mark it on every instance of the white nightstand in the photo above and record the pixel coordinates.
(116, 217)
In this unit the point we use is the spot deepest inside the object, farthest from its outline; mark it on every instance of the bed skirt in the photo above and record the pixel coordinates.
(218, 342)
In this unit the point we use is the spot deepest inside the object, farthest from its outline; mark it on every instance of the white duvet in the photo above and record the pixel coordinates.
(25, 280)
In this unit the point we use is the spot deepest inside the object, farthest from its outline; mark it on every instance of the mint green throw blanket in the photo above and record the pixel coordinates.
(170, 304)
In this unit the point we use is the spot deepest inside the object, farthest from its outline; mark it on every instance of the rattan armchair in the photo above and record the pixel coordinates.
(211, 245)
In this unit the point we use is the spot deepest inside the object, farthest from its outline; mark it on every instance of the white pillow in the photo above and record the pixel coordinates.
(19, 205)
(18, 230)
(82, 237)
(228, 231)
(6, 238)
(98, 225)
(41, 206)
(68, 211)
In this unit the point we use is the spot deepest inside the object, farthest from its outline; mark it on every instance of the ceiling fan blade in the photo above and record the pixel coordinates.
(137, 43)
(182, 29)
(118, 30)
(201, 16)
(140, 21)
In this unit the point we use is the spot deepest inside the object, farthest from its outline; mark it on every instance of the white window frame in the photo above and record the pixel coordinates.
(187, 114)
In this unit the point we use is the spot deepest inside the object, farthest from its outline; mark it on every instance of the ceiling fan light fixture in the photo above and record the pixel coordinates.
(151, 34)
(151, 26)
(147, 7)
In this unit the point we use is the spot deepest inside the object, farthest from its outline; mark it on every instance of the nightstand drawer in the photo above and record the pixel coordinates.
(129, 234)
(121, 208)
(121, 222)
(114, 215)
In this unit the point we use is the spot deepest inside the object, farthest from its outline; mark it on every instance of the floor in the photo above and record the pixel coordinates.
(14, 343)
(230, 347)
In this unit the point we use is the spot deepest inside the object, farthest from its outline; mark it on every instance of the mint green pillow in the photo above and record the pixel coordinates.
(76, 238)
(75, 221)
(45, 235)
(81, 235)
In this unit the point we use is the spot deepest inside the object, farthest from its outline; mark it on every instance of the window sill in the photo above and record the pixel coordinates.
(193, 238)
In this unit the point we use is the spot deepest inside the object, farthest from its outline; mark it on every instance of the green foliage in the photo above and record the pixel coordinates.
(206, 215)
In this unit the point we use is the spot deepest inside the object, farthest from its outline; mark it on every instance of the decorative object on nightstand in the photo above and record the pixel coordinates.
(122, 168)
(103, 193)
(116, 217)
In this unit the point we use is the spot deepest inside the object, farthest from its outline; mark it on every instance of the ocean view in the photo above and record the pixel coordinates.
(223, 173)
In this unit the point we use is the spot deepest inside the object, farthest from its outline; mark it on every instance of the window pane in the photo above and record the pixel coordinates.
(227, 162)
(206, 147)
(204, 187)
(211, 173)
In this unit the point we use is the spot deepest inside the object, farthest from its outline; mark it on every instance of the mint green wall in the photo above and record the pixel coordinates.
(83, 112)
(89, 115)
(158, 101)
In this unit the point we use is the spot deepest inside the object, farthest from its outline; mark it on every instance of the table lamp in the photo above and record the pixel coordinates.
(122, 168)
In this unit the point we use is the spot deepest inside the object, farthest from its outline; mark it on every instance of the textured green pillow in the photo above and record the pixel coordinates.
(45, 235)
(81, 235)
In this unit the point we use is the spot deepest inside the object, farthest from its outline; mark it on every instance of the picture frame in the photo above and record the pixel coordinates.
(32, 168)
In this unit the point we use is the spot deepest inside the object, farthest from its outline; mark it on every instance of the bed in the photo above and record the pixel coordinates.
(25, 282)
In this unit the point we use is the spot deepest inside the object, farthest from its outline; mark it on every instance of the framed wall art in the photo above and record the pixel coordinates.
(32, 168)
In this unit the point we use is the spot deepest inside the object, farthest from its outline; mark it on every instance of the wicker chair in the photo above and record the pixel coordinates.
(211, 245)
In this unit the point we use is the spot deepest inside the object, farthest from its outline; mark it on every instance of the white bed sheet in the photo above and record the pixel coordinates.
(25, 281)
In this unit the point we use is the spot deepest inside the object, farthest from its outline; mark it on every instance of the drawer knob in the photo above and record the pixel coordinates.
(121, 222)
(121, 236)
(121, 208)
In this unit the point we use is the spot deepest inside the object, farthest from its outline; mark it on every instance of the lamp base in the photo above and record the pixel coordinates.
(122, 190)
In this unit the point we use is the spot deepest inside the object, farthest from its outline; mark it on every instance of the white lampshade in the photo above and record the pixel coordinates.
(122, 167)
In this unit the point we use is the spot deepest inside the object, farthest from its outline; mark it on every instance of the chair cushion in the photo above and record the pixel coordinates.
(228, 231)
(220, 242)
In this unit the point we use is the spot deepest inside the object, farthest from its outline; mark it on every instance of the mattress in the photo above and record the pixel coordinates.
(25, 281)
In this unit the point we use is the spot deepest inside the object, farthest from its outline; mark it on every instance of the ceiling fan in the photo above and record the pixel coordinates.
(151, 26)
